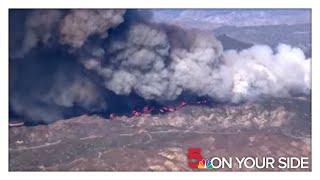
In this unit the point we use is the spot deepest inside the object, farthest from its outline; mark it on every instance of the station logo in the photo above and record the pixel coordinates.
(197, 161)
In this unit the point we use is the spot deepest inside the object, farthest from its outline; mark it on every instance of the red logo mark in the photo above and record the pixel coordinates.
(194, 157)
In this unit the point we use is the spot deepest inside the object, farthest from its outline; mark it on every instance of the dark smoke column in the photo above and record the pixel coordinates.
(74, 61)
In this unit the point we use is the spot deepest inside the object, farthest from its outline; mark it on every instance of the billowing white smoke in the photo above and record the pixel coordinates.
(153, 60)
(146, 63)
(196, 68)
(259, 71)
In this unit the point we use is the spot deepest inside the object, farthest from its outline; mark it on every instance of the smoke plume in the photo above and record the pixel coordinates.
(66, 61)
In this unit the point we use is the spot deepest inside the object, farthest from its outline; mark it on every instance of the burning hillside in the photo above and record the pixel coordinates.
(277, 127)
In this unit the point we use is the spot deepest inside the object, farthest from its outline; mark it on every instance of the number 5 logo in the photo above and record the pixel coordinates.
(194, 157)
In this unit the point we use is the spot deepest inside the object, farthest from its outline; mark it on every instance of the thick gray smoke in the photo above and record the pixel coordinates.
(146, 63)
(78, 25)
(41, 89)
(38, 27)
(114, 52)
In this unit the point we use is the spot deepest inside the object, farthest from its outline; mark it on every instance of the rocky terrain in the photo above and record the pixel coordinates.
(159, 142)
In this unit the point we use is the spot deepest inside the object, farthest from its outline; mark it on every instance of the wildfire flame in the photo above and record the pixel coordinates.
(163, 109)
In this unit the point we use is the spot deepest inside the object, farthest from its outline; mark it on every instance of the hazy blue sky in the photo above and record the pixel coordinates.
(211, 18)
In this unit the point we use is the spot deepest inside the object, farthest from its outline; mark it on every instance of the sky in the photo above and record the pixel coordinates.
(214, 18)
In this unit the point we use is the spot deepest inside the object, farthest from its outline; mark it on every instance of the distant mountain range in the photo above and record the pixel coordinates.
(298, 35)
(240, 28)
(213, 18)
(230, 43)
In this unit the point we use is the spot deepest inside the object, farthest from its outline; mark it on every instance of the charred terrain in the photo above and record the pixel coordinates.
(270, 127)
